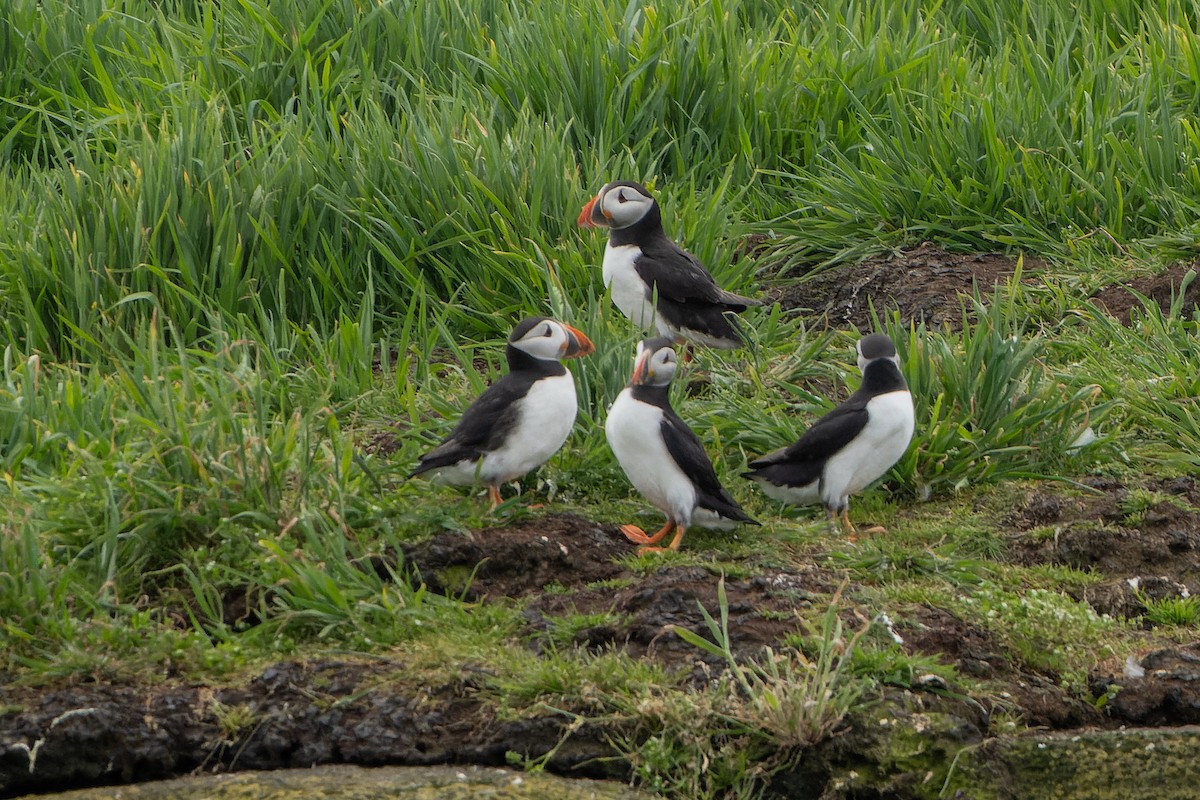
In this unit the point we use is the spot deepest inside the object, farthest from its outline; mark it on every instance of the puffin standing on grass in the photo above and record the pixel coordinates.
(522, 419)
(655, 282)
(850, 447)
(662, 456)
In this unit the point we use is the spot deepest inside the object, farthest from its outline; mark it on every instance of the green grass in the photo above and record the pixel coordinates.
(244, 241)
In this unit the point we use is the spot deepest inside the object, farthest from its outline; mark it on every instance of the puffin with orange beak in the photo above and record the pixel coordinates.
(662, 457)
(521, 420)
(656, 283)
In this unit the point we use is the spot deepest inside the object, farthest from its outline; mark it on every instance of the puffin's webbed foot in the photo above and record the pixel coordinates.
(636, 535)
(673, 546)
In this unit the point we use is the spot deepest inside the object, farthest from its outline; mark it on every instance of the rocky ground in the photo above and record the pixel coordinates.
(304, 713)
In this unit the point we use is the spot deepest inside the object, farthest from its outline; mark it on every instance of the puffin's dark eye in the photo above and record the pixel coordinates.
(549, 331)
(620, 196)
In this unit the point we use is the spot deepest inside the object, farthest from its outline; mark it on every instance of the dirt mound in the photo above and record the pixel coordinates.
(291, 715)
(1126, 534)
(924, 283)
(518, 560)
(568, 566)
(1120, 300)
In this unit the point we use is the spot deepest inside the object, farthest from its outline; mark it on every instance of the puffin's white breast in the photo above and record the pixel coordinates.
(629, 291)
(634, 432)
(796, 495)
(546, 414)
(877, 447)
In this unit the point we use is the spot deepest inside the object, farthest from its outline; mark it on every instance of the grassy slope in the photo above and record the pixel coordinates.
(217, 219)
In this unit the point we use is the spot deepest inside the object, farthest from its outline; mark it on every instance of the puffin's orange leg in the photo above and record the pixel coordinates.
(494, 496)
(635, 534)
(851, 532)
(674, 545)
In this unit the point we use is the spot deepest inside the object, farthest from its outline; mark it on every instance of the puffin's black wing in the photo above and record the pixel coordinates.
(827, 435)
(679, 276)
(689, 454)
(482, 426)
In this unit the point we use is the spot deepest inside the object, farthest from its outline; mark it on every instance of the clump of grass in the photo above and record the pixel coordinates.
(563, 630)
(1149, 367)
(1138, 502)
(988, 407)
(728, 738)
(879, 559)
(1175, 612)
(794, 699)
(888, 663)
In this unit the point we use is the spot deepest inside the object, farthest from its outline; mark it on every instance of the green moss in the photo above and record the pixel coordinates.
(1103, 765)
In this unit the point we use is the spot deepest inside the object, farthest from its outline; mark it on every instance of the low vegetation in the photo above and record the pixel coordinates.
(256, 256)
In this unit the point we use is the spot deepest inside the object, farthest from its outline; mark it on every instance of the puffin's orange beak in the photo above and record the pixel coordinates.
(641, 369)
(577, 344)
(588, 216)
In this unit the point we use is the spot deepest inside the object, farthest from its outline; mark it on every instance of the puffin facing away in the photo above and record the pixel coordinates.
(655, 282)
(662, 456)
(850, 447)
(521, 420)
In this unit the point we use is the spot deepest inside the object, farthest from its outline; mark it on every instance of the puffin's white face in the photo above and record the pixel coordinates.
(618, 205)
(655, 365)
(551, 340)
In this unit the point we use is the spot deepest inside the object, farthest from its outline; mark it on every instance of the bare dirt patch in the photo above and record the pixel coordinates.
(1145, 542)
(1126, 534)
(923, 283)
(295, 715)
(1120, 300)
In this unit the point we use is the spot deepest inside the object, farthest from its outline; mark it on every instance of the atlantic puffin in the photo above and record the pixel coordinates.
(655, 282)
(661, 455)
(850, 447)
(522, 419)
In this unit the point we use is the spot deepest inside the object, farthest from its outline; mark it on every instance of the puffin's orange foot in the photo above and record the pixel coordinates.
(851, 532)
(635, 534)
(673, 546)
(494, 497)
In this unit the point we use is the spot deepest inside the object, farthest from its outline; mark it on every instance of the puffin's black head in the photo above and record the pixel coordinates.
(655, 362)
(875, 346)
(618, 204)
(549, 340)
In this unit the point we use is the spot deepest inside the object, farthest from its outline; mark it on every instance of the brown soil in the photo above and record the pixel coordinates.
(1120, 300)
(923, 283)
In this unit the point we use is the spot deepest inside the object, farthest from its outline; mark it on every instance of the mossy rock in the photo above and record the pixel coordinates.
(358, 783)
(934, 748)
(1158, 763)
